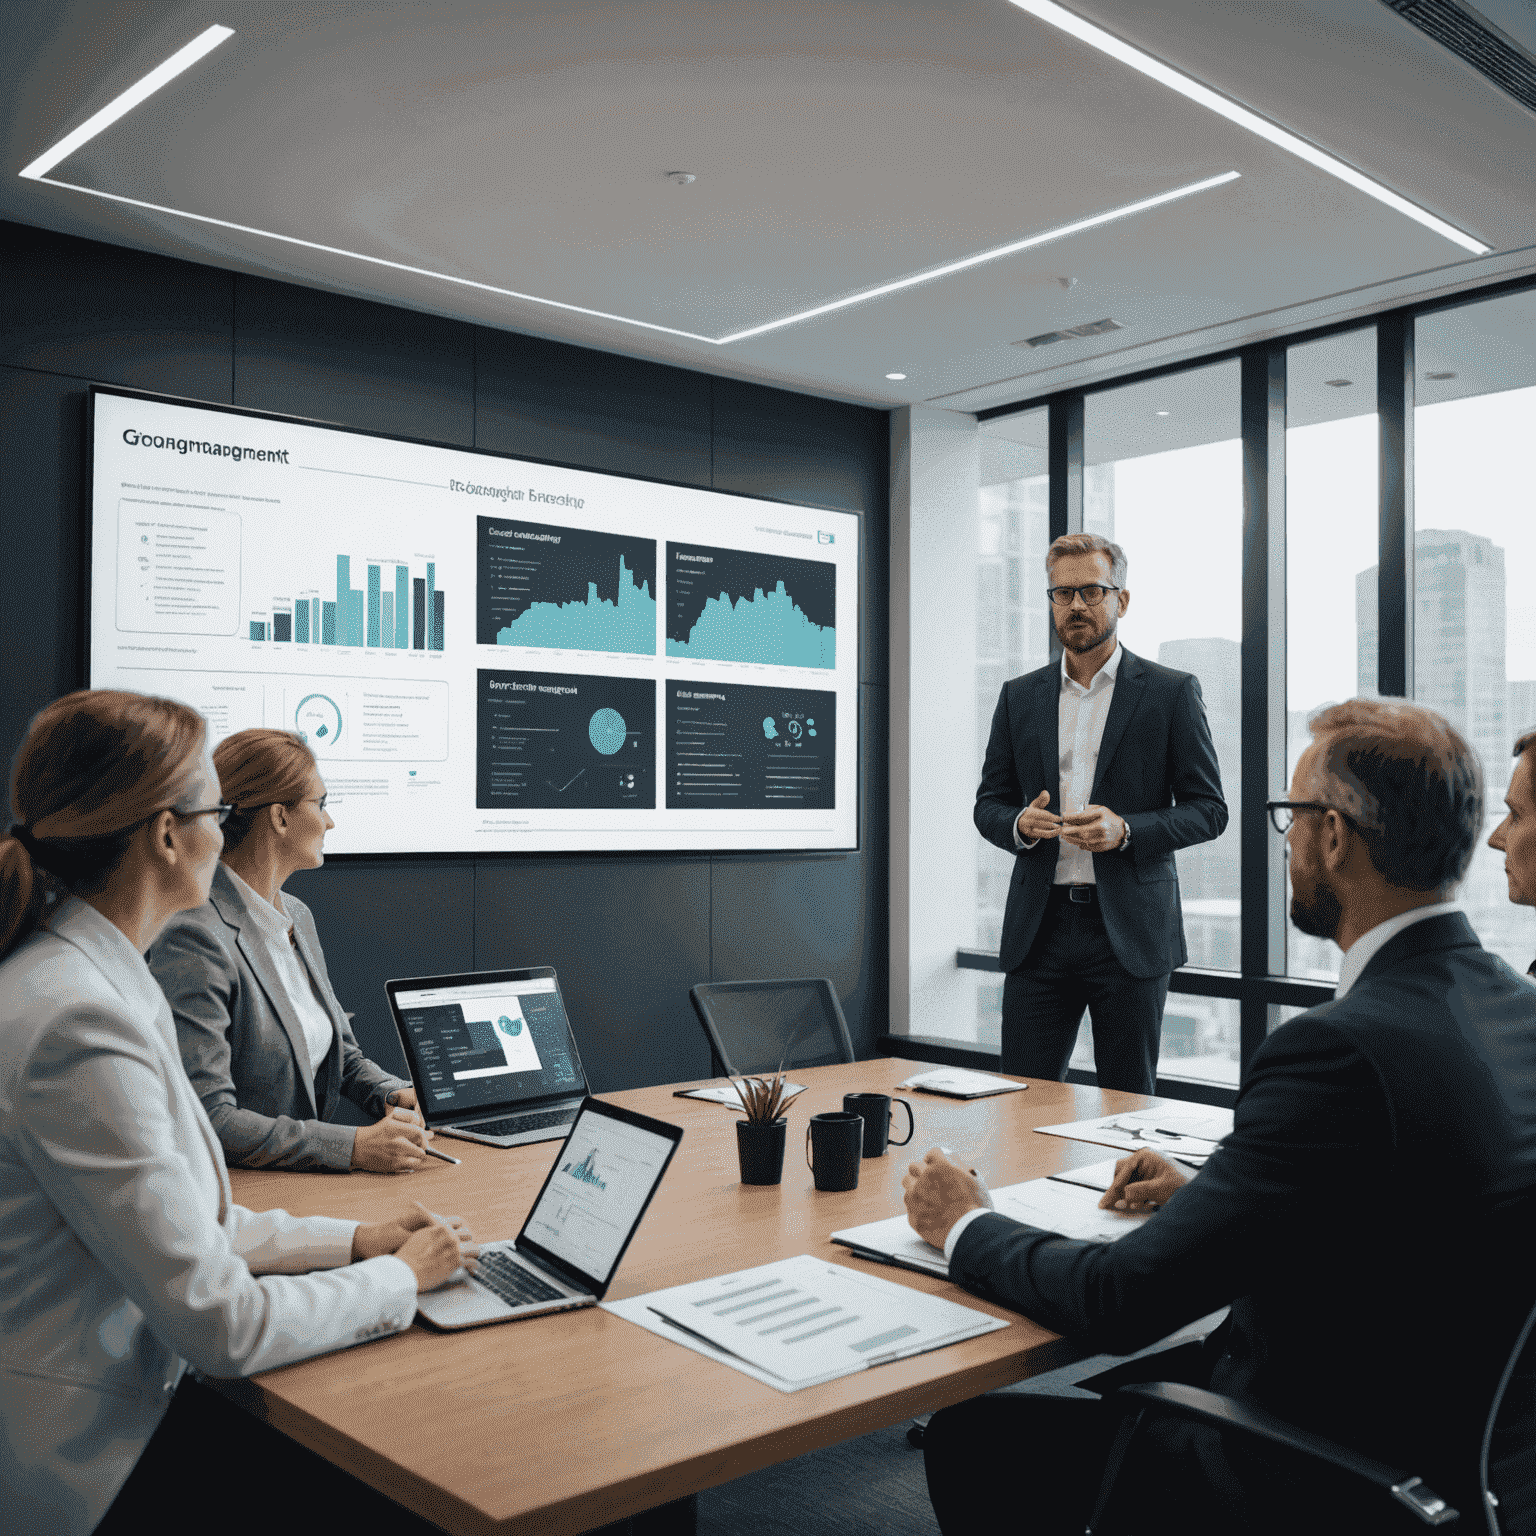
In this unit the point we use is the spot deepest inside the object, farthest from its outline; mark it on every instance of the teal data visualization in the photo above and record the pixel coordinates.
(394, 609)
(564, 588)
(739, 747)
(560, 741)
(734, 605)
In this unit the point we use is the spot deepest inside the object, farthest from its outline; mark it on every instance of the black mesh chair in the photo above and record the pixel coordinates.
(1506, 1471)
(751, 1024)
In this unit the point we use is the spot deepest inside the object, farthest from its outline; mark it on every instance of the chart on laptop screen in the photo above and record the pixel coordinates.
(489, 1042)
(605, 1173)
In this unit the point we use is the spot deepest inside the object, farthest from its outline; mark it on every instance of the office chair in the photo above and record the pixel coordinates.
(1506, 1471)
(750, 1024)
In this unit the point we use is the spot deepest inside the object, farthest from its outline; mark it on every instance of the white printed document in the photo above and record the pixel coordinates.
(802, 1321)
(1052, 1204)
(730, 1096)
(1185, 1131)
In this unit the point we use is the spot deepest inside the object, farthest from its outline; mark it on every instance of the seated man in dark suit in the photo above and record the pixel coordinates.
(1368, 1219)
(1515, 836)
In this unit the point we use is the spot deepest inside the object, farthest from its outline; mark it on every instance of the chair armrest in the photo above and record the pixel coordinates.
(1226, 1413)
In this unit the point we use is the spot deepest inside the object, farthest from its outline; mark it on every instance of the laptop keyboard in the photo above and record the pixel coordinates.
(512, 1124)
(512, 1282)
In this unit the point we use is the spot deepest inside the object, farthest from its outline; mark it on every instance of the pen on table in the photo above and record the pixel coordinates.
(986, 1194)
(433, 1152)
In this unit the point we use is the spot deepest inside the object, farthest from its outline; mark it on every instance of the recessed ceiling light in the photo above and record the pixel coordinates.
(1106, 42)
(1162, 413)
(681, 178)
(1338, 383)
(895, 375)
(1439, 375)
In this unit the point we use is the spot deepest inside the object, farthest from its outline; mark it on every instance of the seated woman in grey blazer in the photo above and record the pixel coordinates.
(263, 1038)
(123, 1256)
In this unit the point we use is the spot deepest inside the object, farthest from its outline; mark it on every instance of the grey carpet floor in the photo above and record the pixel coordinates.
(874, 1483)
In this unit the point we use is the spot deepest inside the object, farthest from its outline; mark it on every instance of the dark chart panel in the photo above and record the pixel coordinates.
(564, 587)
(732, 605)
(551, 741)
(748, 748)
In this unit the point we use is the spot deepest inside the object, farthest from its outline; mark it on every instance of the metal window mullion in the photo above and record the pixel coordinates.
(1064, 463)
(1262, 881)
(1394, 566)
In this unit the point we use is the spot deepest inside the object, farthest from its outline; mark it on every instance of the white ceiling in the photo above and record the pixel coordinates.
(838, 145)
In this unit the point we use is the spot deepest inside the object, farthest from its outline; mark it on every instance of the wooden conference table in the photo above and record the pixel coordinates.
(566, 1422)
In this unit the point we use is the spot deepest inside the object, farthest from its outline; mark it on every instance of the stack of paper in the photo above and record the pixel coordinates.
(1190, 1132)
(1054, 1205)
(802, 1321)
(959, 1083)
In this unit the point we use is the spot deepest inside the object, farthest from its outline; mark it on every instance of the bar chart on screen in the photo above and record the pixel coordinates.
(395, 609)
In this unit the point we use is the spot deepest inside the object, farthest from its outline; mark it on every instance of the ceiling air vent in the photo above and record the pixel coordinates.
(1071, 333)
(1491, 54)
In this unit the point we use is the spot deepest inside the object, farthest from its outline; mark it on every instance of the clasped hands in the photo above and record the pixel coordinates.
(939, 1191)
(1095, 828)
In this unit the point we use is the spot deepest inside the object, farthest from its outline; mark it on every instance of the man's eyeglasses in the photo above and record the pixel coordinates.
(1282, 813)
(1093, 594)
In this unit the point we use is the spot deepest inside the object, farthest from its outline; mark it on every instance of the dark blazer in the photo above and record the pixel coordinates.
(245, 1053)
(1157, 768)
(1369, 1218)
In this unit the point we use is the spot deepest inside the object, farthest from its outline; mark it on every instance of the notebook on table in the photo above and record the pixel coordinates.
(491, 1054)
(568, 1252)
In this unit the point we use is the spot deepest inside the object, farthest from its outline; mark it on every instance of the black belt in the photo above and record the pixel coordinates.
(1078, 895)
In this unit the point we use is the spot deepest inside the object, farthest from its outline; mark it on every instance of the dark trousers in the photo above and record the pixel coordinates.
(212, 1467)
(1069, 967)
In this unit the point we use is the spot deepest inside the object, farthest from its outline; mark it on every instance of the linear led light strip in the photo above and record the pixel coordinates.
(204, 44)
(1096, 37)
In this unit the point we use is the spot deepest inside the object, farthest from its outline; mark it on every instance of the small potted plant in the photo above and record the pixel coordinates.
(760, 1137)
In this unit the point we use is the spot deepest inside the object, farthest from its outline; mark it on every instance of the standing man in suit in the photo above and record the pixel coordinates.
(1382, 1161)
(1097, 770)
(1515, 836)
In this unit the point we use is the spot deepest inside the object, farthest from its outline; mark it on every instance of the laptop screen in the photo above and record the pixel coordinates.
(492, 1041)
(600, 1185)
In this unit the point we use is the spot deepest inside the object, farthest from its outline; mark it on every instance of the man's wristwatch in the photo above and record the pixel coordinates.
(1125, 842)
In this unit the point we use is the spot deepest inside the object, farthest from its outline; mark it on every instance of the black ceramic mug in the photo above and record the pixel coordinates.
(832, 1145)
(878, 1115)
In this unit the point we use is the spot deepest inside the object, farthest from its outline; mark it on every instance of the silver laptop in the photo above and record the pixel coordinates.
(568, 1252)
(491, 1054)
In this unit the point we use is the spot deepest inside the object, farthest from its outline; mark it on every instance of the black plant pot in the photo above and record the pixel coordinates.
(760, 1147)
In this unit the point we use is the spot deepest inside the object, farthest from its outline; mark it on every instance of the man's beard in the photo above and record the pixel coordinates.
(1320, 916)
(1074, 641)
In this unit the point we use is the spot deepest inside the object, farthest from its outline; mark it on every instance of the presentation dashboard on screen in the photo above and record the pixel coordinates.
(485, 654)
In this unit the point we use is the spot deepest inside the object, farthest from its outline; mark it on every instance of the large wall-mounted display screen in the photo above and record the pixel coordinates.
(485, 654)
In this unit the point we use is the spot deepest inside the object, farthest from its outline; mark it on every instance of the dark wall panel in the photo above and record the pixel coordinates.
(540, 400)
(818, 914)
(381, 921)
(42, 441)
(628, 938)
(116, 316)
(787, 447)
(307, 353)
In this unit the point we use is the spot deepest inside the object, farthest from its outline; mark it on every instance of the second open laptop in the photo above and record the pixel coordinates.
(491, 1054)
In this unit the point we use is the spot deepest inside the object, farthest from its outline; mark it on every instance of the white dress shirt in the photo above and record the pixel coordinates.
(1080, 717)
(298, 986)
(1369, 944)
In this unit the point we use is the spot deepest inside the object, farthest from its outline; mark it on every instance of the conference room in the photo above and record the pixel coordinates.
(331, 332)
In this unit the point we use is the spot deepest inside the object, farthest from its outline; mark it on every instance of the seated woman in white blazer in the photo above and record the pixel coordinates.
(262, 1035)
(122, 1255)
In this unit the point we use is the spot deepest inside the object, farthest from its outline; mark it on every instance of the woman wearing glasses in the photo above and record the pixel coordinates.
(122, 1255)
(263, 1038)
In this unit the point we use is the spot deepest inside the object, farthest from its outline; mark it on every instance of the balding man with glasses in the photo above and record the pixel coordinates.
(1097, 771)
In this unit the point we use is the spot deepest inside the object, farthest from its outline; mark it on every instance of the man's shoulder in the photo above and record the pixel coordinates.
(1154, 673)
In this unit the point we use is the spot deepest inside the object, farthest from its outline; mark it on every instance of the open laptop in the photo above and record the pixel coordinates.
(491, 1054)
(568, 1252)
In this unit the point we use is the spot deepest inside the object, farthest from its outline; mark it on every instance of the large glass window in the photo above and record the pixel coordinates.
(1012, 637)
(1163, 479)
(1475, 561)
(1331, 516)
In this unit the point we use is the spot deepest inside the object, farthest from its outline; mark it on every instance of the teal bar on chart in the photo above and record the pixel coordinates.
(434, 640)
(402, 607)
(301, 623)
(387, 617)
(258, 631)
(373, 605)
(328, 624)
